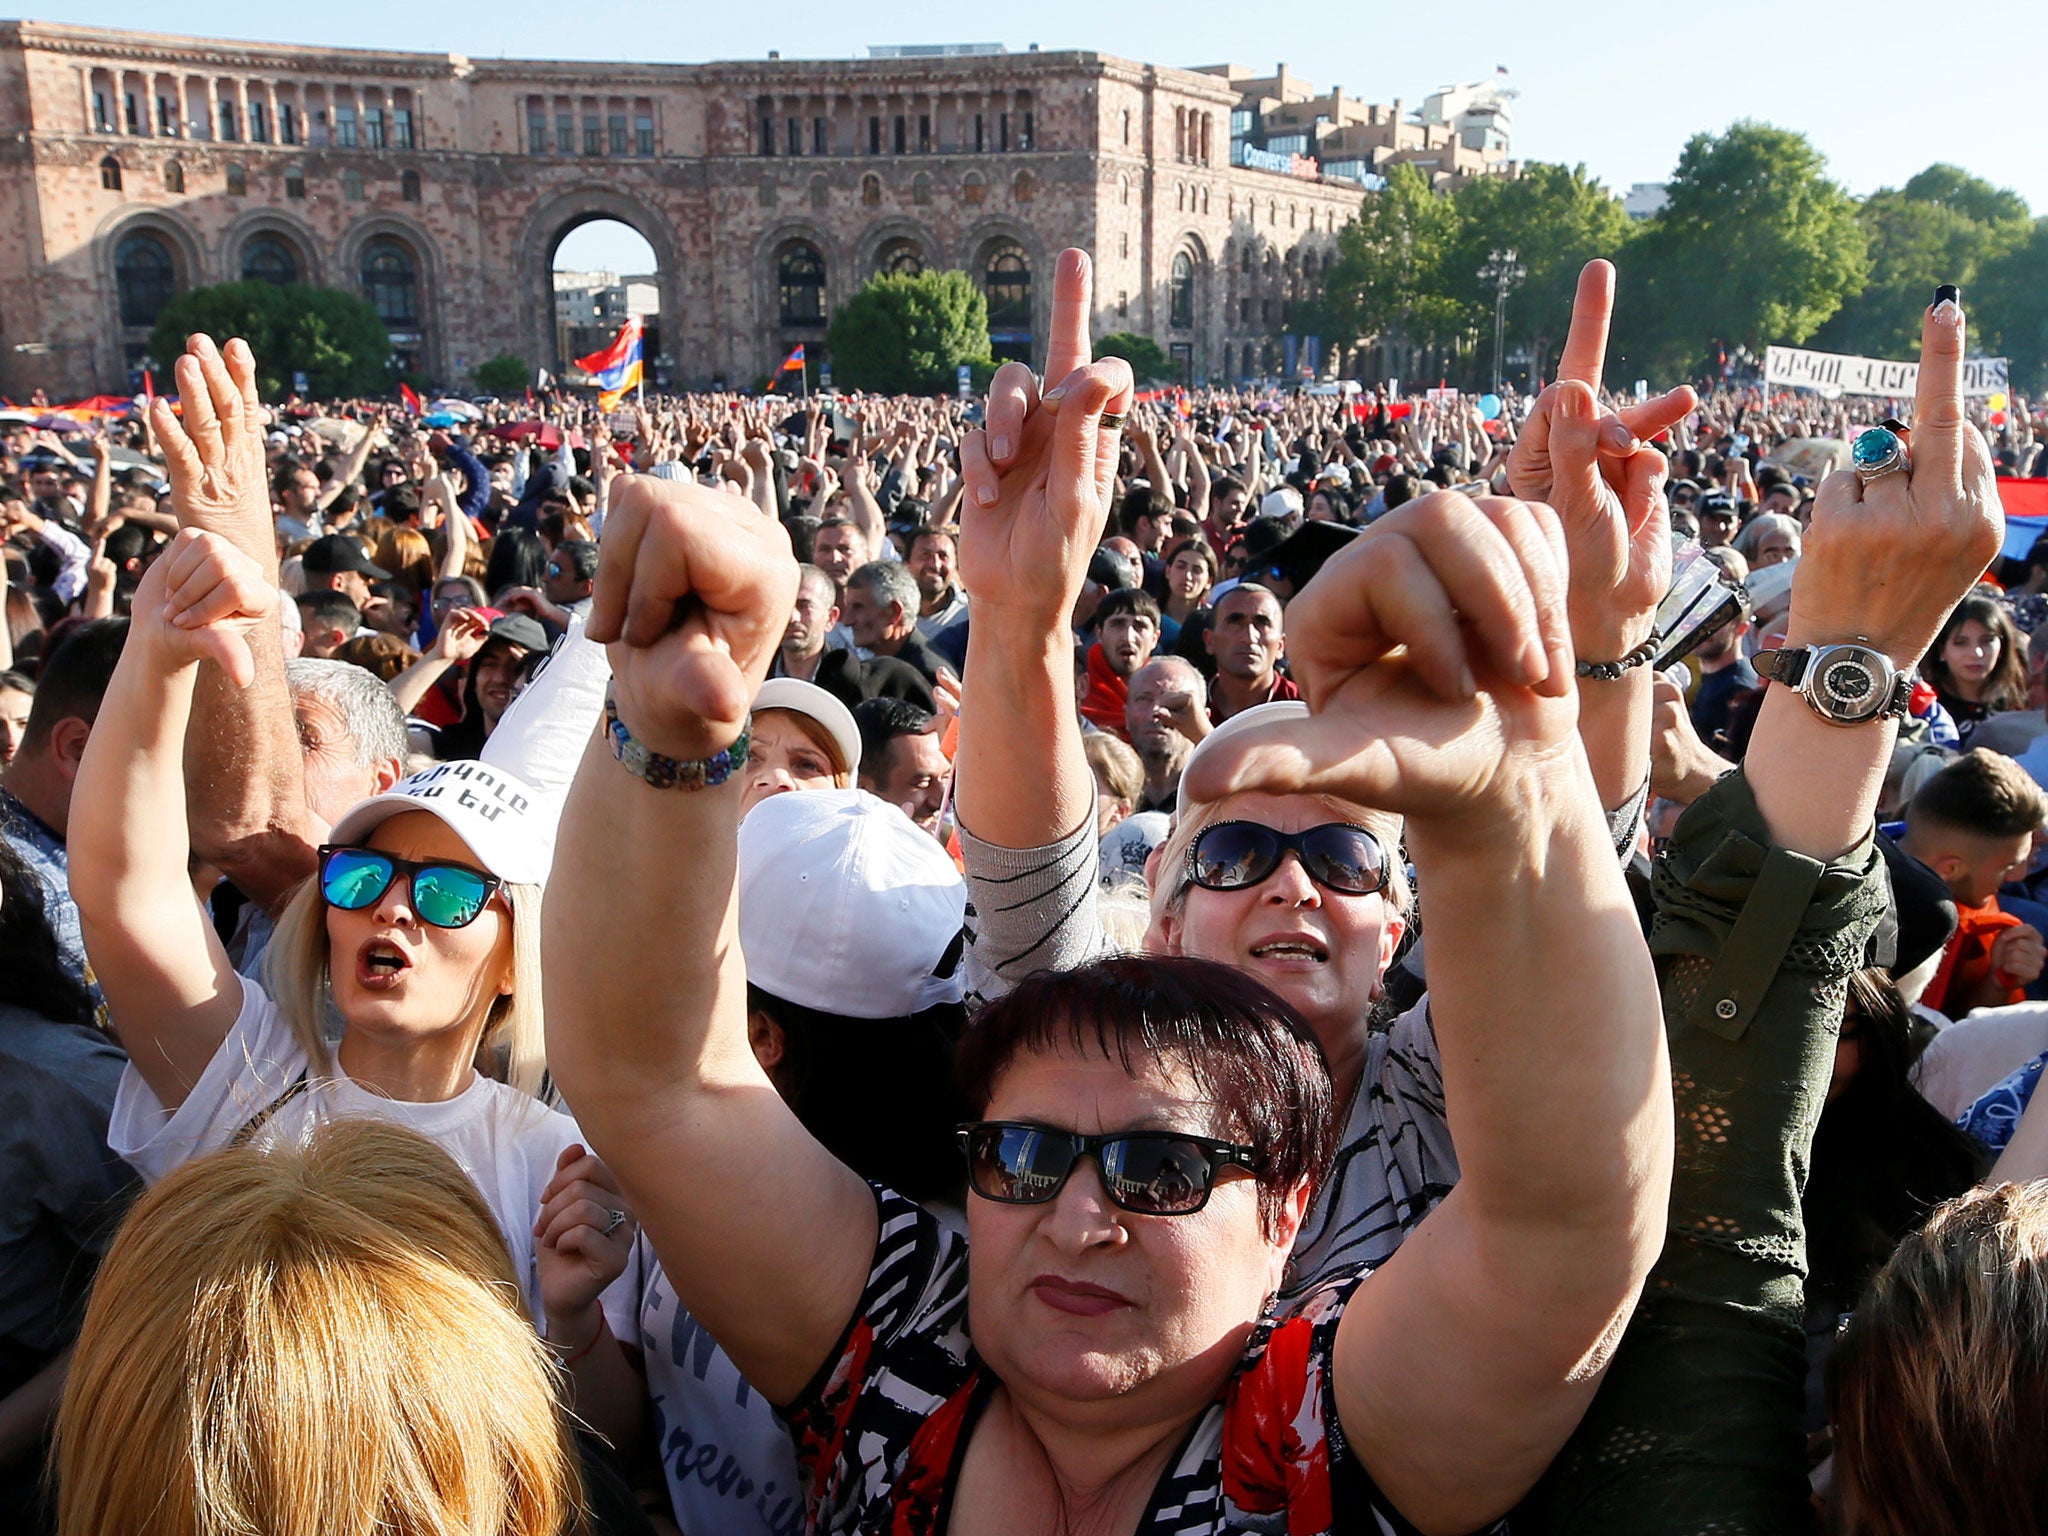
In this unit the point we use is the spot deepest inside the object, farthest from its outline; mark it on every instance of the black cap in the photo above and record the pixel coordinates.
(520, 630)
(1107, 568)
(1920, 916)
(1303, 552)
(338, 552)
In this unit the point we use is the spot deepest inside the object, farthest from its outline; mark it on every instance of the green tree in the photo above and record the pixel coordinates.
(505, 374)
(909, 335)
(1755, 246)
(1392, 272)
(1941, 227)
(2007, 316)
(332, 337)
(1555, 219)
(1147, 358)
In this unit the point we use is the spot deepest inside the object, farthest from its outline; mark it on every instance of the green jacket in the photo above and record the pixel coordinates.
(1697, 1426)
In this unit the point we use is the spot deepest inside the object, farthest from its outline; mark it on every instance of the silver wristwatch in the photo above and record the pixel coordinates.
(1845, 684)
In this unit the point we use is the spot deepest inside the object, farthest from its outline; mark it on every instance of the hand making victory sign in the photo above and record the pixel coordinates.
(1595, 468)
(1041, 472)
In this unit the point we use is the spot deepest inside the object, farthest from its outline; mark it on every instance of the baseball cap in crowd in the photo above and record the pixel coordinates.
(1385, 464)
(1302, 553)
(521, 630)
(1127, 845)
(846, 907)
(1244, 719)
(1716, 503)
(673, 469)
(808, 699)
(337, 552)
(505, 822)
(1284, 502)
(1107, 568)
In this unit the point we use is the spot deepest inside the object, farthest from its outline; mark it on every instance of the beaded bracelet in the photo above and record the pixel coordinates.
(1608, 671)
(669, 772)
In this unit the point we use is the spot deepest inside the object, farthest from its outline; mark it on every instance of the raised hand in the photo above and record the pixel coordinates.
(213, 456)
(694, 589)
(1432, 653)
(579, 1249)
(201, 600)
(1887, 561)
(1040, 474)
(462, 635)
(1592, 466)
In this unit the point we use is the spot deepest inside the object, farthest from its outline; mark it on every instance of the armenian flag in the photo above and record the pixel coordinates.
(794, 363)
(617, 368)
(411, 399)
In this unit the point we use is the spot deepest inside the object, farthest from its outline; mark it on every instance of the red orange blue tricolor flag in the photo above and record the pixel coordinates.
(617, 368)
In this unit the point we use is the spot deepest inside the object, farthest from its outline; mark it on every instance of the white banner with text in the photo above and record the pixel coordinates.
(1834, 373)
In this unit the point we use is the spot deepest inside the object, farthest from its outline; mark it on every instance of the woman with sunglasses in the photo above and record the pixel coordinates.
(1100, 1351)
(1297, 921)
(419, 933)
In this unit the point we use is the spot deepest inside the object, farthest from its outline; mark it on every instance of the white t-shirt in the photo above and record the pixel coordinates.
(728, 1460)
(505, 1140)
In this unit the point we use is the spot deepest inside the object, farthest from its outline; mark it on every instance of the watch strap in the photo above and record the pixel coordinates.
(1787, 665)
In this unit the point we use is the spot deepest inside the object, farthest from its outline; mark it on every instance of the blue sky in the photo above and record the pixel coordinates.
(1879, 85)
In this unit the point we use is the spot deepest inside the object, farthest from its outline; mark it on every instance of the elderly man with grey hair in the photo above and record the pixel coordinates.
(1164, 716)
(881, 607)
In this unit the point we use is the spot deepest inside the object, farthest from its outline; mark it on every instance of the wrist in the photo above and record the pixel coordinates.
(575, 1333)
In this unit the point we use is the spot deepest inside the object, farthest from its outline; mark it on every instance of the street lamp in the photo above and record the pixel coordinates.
(1504, 270)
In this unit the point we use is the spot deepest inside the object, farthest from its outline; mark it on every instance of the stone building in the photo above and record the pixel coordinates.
(134, 166)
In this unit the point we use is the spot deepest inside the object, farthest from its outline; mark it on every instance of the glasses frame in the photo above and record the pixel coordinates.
(1285, 841)
(408, 868)
(1216, 1154)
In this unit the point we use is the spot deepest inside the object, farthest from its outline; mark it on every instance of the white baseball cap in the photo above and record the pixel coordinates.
(507, 824)
(1243, 720)
(848, 908)
(1284, 502)
(793, 693)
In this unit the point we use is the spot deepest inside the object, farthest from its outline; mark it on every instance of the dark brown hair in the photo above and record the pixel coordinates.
(1249, 1053)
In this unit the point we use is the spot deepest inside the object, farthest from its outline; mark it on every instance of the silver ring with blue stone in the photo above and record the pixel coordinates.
(1878, 451)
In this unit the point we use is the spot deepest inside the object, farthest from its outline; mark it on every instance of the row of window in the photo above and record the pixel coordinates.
(602, 134)
(346, 127)
(1005, 280)
(973, 190)
(901, 134)
(237, 180)
(146, 275)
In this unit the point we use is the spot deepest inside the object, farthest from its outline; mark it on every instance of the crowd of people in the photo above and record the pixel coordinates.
(1083, 961)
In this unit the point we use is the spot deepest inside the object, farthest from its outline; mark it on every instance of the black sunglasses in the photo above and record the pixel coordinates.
(1149, 1173)
(446, 895)
(1236, 855)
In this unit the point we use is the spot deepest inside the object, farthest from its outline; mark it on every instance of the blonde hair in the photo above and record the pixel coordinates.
(1940, 1380)
(1170, 880)
(316, 1340)
(513, 1047)
(1117, 765)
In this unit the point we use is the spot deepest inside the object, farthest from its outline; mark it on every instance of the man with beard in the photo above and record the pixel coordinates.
(1127, 625)
(1164, 719)
(1247, 641)
(934, 558)
(805, 653)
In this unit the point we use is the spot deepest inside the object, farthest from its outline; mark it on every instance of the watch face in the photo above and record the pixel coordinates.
(1850, 684)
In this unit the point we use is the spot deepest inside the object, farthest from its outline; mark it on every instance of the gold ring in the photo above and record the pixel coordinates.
(1112, 422)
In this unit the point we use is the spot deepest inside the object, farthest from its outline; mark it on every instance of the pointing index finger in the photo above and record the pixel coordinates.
(1585, 345)
(1072, 285)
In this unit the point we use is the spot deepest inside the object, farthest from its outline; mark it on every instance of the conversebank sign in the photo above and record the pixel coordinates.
(1304, 166)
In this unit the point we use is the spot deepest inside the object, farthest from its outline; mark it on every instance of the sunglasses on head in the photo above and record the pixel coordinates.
(1236, 855)
(1148, 1173)
(446, 895)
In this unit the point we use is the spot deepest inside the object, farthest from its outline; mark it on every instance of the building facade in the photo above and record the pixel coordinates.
(135, 166)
